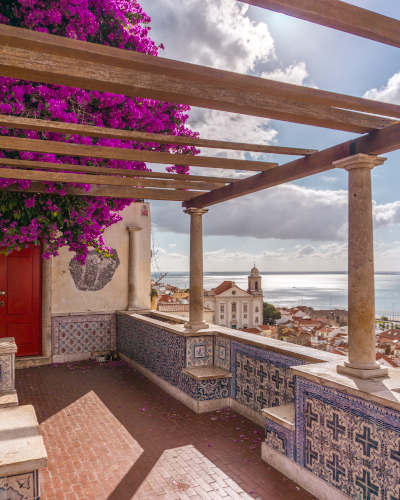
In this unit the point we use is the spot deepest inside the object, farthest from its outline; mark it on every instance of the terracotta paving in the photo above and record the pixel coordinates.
(112, 434)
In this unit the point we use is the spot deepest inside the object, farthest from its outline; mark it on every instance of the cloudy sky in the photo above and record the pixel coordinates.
(301, 226)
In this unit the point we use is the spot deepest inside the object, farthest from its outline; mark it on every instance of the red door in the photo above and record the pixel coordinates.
(20, 299)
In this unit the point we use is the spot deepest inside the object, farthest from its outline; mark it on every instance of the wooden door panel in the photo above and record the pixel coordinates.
(20, 284)
(20, 315)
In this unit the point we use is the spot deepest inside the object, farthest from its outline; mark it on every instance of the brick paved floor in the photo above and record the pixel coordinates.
(112, 434)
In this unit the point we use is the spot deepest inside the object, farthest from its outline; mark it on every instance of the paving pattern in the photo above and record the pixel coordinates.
(112, 434)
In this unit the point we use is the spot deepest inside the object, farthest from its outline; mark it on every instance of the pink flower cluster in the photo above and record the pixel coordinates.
(118, 23)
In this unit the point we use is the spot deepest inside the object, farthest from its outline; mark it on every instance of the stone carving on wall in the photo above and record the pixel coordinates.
(95, 274)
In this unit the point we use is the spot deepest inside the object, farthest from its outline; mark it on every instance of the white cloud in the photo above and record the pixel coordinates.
(387, 215)
(176, 256)
(387, 93)
(159, 251)
(295, 74)
(329, 179)
(172, 245)
(214, 33)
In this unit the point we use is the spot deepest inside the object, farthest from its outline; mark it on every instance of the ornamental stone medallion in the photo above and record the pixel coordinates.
(96, 273)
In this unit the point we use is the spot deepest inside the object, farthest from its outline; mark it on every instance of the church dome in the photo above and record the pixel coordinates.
(254, 271)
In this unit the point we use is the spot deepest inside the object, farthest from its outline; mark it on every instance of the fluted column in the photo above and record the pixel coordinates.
(133, 269)
(196, 302)
(361, 280)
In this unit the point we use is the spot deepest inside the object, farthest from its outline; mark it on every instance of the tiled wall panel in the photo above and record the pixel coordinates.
(349, 442)
(20, 486)
(7, 381)
(77, 337)
(222, 353)
(261, 378)
(164, 353)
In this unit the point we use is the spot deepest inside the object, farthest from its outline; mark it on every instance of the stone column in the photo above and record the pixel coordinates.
(361, 317)
(133, 265)
(196, 303)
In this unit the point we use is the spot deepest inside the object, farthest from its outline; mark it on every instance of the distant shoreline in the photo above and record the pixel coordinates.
(283, 272)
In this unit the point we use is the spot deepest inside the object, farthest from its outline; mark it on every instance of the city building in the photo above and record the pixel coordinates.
(234, 307)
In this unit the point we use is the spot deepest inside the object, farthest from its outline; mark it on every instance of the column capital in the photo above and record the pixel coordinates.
(196, 211)
(133, 228)
(359, 161)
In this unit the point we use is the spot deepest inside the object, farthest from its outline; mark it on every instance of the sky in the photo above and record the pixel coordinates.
(302, 225)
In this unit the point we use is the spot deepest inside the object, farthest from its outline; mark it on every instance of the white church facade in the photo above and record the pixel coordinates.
(234, 307)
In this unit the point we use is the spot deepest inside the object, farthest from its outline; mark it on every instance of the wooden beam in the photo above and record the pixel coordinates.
(82, 150)
(111, 192)
(379, 142)
(133, 135)
(11, 162)
(340, 16)
(36, 175)
(19, 38)
(133, 74)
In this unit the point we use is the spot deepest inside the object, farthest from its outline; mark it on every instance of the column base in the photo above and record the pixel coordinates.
(134, 308)
(195, 327)
(382, 371)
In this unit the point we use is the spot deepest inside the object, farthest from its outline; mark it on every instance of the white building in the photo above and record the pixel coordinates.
(234, 307)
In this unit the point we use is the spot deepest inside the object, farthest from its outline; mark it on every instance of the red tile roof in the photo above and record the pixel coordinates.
(224, 286)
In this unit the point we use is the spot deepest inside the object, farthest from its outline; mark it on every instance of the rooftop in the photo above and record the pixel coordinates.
(110, 434)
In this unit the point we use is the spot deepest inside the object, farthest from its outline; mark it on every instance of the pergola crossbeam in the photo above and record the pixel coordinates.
(140, 75)
(83, 150)
(130, 135)
(340, 16)
(377, 143)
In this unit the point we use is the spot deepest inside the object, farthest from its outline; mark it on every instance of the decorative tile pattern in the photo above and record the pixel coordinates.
(199, 351)
(222, 353)
(75, 335)
(7, 372)
(349, 442)
(279, 438)
(20, 487)
(163, 353)
(261, 378)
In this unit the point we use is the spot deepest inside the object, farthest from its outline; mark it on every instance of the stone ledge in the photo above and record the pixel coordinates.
(283, 415)
(207, 372)
(29, 361)
(8, 399)
(21, 446)
(8, 345)
(384, 391)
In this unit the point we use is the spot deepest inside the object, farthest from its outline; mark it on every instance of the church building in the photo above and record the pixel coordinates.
(234, 307)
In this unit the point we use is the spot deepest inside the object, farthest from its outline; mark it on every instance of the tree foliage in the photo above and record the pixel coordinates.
(270, 314)
(74, 221)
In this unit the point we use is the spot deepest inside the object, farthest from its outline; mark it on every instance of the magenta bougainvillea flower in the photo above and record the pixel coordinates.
(78, 222)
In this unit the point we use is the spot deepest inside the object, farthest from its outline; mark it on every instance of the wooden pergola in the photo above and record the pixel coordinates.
(45, 58)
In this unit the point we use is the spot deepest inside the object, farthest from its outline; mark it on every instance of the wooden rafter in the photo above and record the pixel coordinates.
(340, 16)
(68, 177)
(377, 143)
(128, 135)
(42, 165)
(125, 192)
(82, 150)
(101, 68)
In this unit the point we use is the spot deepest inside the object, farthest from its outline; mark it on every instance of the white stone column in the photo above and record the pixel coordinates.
(361, 281)
(133, 269)
(196, 302)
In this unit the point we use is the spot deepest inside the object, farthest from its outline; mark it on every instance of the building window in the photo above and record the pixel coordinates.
(222, 316)
(256, 309)
(245, 308)
(233, 307)
(245, 316)
(233, 316)
(256, 285)
(222, 309)
(257, 319)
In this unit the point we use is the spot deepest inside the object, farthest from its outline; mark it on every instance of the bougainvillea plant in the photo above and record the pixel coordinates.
(78, 222)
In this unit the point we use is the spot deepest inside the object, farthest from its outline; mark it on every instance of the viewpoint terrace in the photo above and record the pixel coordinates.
(331, 424)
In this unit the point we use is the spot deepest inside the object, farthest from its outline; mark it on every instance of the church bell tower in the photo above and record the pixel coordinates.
(254, 286)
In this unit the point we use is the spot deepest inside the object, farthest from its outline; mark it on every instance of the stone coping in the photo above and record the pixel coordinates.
(8, 399)
(84, 313)
(384, 391)
(21, 444)
(8, 345)
(207, 372)
(283, 415)
(300, 352)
